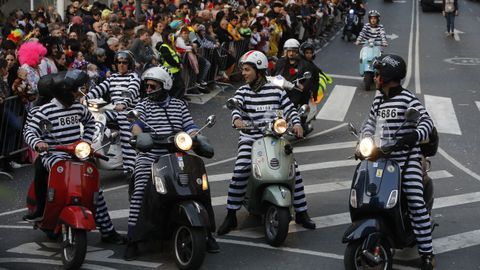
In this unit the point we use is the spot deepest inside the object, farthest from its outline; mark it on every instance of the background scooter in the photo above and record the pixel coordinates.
(271, 183)
(369, 52)
(73, 186)
(177, 201)
(378, 208)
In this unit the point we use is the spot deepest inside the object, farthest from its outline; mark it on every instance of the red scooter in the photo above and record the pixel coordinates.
(73, 187)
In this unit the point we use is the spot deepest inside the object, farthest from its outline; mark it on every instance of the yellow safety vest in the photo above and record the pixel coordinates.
(175, 56)
(324, 79)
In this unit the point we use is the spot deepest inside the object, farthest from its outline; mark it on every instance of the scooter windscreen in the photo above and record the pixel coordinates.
(376, 136)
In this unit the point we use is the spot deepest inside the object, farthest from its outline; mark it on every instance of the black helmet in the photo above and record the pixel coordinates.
(126, 56)
(65, 84)
(373, 13)
(391, 67)
(307, 46)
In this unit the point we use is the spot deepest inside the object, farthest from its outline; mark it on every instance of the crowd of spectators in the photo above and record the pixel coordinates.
(202, 39)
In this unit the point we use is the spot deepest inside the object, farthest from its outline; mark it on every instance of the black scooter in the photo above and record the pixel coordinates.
(177, 202)
(352, 26)
(378, 208)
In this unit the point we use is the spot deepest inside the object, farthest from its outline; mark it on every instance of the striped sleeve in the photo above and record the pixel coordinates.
(100, 90)
(140, 108)
(32, 132)
(425, 124)
(134, 90)
(239, 95)
(383, 36)
(368, 128)
(188, 124)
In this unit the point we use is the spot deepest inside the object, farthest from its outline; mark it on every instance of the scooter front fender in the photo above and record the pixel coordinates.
(77, 217)
(190, 213)
(361, 229)
(277, 195)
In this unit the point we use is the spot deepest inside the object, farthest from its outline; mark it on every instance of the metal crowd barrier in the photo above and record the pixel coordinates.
(12, 115)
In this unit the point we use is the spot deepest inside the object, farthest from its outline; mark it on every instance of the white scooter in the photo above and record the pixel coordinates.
(106, 141)
(308, 112)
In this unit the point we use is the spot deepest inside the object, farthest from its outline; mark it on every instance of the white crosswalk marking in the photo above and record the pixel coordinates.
(443, 114)
(336, 107)
(478, 104)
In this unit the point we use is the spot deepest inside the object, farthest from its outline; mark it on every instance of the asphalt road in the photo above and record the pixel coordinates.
(443, 73)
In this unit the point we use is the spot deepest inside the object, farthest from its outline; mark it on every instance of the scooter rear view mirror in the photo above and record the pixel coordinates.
(211, 120)
(412, 115)
(232, 103)
(45, 125)
(307, 75)
(133, 114)
(115, 137)
(352, 129)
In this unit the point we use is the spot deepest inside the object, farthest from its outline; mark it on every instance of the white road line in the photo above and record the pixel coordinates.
(478, 104)
(418, 87)
(294, 250)
(408, 77)
(358, 78)
(51, 262)
(458, 164)
(443, 113)
(344, 218)
(337, 103)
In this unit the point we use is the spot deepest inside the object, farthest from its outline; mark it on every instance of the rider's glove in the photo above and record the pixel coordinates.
(409, 140)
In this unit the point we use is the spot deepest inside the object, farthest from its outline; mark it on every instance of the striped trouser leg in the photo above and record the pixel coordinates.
(128, 152)
(412, 186)
(142, 174)
(299, 199)
(241, 172)
(102, 218)
(49, 160)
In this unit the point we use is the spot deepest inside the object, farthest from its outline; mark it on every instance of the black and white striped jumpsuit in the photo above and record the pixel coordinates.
(65, 130)
(167, 118)
(376, 33)
(257, 104)
(392, 110)
(115, 86)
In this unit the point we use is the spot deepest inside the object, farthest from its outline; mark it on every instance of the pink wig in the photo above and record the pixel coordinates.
(31, 53)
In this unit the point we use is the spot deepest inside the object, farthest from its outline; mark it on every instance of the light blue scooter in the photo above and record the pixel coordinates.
(369, 52)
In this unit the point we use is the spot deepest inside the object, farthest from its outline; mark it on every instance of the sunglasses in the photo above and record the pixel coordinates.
(151, 86)
(122, 63)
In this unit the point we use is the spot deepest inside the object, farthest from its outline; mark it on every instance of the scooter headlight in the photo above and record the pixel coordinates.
(353, 198)
(366, 147)
(83, 150)
(280, 126)
(183, 141)
(392, 199)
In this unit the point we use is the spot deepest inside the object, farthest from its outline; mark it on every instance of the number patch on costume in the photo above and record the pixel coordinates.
(390, 113)
(69, 120)
(263, 108)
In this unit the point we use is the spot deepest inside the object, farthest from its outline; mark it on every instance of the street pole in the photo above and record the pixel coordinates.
(32, 7)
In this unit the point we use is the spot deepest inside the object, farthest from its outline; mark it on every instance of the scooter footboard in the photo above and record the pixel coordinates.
(77, 217)
(362, 228)
(277, 195)
(190, 213)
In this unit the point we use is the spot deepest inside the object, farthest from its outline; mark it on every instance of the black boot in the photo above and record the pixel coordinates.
(229, 223)
(131, 251)
(303, 219)
(35, 216)
(114, 238)
(428, 262)
(212, 245)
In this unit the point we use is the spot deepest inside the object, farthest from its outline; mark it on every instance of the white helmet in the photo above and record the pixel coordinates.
(291, 44)
(256, 58)
(159, 74)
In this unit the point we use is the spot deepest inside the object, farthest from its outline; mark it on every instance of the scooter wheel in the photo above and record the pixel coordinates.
(74, 249)
(189, 247)
(354, 259)
(276, 224)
